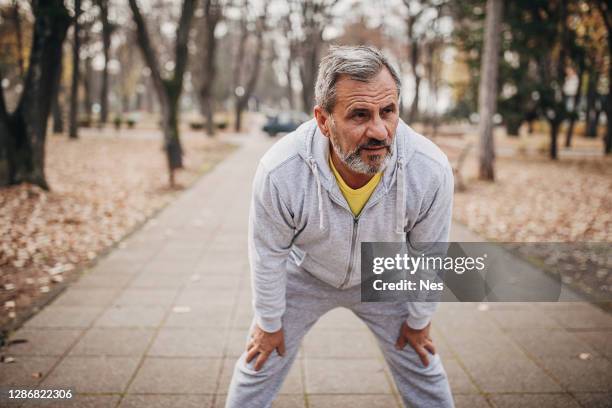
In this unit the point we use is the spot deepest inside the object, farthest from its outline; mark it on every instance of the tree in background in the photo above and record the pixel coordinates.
(604, 8)
(73, 126)
(420, 18)
(309, 18)
(487, 100)
(23, 132)
(244, 87)
(168, 89)
(213, 14)
(107, 32)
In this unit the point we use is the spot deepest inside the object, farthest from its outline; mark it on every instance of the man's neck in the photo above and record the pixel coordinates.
(353, 179)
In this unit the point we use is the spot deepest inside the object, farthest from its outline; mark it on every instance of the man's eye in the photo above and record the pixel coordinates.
(360, 115)
(388, 110)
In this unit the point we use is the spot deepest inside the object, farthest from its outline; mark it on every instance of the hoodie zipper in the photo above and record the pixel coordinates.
(347, 277)
(348, 274)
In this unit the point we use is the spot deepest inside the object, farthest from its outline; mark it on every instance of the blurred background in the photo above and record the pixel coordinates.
(110, 109)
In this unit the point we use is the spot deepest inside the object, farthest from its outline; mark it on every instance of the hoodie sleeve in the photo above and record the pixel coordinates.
(432, 228)
(269, 240)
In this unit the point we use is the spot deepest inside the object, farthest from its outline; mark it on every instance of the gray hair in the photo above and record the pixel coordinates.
(360, 63)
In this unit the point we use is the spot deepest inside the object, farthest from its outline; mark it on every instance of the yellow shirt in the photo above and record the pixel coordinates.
(358, 198)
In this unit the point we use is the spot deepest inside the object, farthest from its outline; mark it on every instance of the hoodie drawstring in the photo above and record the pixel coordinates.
(315, 172)
(400, 199)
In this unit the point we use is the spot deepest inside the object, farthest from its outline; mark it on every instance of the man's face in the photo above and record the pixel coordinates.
(362, 125)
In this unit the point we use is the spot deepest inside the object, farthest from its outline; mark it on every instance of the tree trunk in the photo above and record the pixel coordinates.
(290, 96)
(414, 106)
(238, 115)
(87, 102)
(172, 142)
(74, 91)
(23, 132)
(212, 15)
(242, 100)
(19, 37)
(106, 43)
(487, 98)
(608, 137)
(554, 132)
(168, 90)
(56, 112)
(591, 111)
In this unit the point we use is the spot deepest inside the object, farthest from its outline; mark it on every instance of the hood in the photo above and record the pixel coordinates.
(314, 150)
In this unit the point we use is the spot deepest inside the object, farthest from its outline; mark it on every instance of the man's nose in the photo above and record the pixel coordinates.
(377, 129)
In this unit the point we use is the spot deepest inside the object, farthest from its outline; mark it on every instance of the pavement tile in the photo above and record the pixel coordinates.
(468, 345)
(131, 316)
(86, 297)
(551, 343)
(214, 298)
(331, 376)
(93, 374)
(594, 399)
(508, 374)
(453, 321)
(100, 279)
(176, 376)
(145, 297)
(165, 401)
(470, 401)
(113, 342)
(194, 342)
(160, 281)
(340, 344)
(600, 340)
(202, 280)
(78, 401)
(459, 380)
(25, 371)
(64, 317)
(42, 342)
(582, 318)
(533, 401)
(199, 316)
(594, 374)
(519, 319)
(353, 401)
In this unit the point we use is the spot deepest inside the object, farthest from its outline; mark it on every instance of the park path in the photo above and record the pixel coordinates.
(160, 321)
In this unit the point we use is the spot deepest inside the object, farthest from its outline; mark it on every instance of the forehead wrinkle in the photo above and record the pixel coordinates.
(377, 100)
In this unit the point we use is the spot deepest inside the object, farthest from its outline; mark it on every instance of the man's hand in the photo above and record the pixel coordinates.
(262, 344)
(419, 340)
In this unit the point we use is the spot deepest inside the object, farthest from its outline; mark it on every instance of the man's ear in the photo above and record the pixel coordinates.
(322, 117)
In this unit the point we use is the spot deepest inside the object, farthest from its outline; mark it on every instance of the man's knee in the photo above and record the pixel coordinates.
(273, 366)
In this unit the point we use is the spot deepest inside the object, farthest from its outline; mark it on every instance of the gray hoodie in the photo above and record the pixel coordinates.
(300, 219)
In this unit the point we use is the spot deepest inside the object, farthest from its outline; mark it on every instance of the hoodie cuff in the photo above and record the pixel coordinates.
(269, 325)
(417, 323)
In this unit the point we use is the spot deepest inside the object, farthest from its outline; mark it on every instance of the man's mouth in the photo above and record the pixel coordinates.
(372, 149)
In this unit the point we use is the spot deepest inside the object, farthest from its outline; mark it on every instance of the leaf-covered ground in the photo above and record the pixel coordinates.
(535, 199)
(102, 186)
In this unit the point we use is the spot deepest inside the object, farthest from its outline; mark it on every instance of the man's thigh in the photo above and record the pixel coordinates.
(307, 299)
(419, 385)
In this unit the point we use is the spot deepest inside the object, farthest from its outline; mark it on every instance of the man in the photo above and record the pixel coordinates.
(355, 173)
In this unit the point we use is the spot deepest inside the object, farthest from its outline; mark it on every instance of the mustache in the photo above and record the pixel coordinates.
(373, 143)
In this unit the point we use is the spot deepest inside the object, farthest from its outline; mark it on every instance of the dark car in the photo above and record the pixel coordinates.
(284, 122)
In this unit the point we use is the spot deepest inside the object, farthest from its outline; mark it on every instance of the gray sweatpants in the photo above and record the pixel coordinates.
(307, 300)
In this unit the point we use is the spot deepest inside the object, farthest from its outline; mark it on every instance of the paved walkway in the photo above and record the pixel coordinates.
(160, 322)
